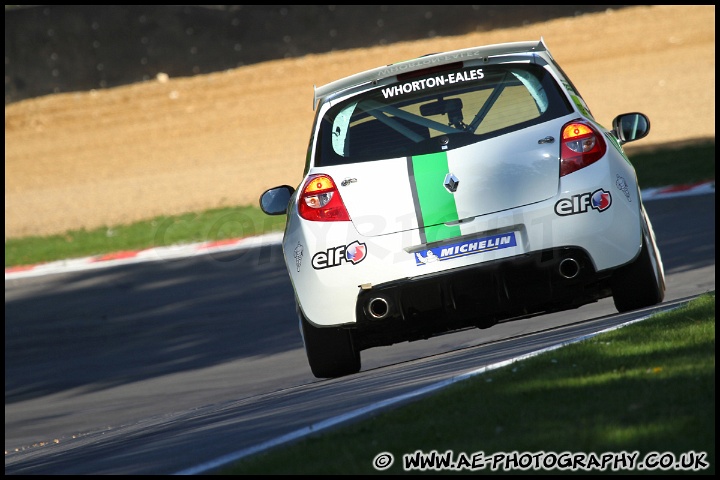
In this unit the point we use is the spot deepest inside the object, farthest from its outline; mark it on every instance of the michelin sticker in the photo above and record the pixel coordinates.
(623, 187)
(298, 255)
(467, 247)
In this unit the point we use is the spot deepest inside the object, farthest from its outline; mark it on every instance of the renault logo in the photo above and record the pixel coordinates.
(451, 182)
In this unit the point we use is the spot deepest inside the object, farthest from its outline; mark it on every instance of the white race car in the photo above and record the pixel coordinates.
(457, 190)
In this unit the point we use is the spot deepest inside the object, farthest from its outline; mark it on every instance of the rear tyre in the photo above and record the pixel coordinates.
(331, 351)
(641, 283)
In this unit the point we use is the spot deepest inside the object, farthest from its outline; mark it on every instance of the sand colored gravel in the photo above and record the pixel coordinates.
(169, 146)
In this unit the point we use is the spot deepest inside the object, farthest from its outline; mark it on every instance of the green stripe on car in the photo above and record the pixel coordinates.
(434, 204)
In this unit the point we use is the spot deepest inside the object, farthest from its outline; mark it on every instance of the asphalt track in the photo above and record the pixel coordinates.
(178, 365)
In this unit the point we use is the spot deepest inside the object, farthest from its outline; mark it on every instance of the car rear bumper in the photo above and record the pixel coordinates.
(477, 296)
(328, 284)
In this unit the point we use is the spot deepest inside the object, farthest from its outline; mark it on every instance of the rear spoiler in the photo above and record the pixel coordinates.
(420, 63)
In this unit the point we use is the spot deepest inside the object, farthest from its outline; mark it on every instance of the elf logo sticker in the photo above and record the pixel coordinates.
(599, 200)
(353, 253)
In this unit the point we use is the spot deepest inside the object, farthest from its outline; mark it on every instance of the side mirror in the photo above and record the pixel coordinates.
(275, 200)
(629, 127)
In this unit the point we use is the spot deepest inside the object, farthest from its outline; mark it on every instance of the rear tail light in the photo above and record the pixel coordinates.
(582, 145)
(320, 201)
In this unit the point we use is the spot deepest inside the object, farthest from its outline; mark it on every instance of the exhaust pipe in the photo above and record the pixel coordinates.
(378, 308)
(569, 268)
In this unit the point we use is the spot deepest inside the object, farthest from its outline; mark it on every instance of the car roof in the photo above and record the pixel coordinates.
(420, 63)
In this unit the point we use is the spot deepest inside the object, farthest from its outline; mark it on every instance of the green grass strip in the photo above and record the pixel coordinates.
(671, 166)
(647, 387)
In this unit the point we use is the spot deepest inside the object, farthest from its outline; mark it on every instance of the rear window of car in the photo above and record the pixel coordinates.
(438, 111)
